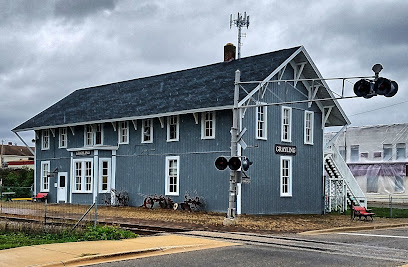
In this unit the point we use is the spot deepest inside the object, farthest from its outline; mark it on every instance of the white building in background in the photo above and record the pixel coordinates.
(377, 157)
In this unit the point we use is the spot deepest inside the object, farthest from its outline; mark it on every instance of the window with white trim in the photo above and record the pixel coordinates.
(309, 121)
(208, 125)
(286, 135)
(83, 174)
(147, 131)
(285, 176)
(62, 137)
(93, 134)
(172, 181)
(123, 132)
(45, 178)
(261, 125)
(173, 128)
(104, 175)
(45, 139)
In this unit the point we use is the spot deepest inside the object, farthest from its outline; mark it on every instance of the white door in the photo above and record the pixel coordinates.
(62, 187)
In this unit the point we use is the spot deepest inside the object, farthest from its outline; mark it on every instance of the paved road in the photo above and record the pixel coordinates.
(368, 248)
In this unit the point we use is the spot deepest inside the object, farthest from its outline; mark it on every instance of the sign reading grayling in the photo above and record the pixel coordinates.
(83, 153)
(285, 149)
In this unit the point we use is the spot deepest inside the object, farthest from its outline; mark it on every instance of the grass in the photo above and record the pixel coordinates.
(385, 212)
(9, 239)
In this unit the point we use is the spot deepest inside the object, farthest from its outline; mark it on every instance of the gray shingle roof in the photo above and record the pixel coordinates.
(197, 88)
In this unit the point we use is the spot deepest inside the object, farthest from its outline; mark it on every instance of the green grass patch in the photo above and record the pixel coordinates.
(10, 239)
(385, 212)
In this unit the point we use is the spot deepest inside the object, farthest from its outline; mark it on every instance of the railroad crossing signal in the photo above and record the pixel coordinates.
(234, 163)
(379, 86)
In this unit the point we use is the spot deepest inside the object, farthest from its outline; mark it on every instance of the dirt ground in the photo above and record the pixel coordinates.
(214, 221)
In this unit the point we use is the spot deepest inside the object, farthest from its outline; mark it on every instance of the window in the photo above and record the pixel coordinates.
(98, 134)
(147, 131)
(377, 155)
(172, 175)
(83, 175)
(172, 128)
(354, 153)
(401, 151)
(63, 137)
(208, 125)
(387, 152)
(261, 122)
(105, 175)
(123, 132)
(286, 124)
(93, 134)
(309, 121)
(45, 140)
(285, 176)
(45, 178)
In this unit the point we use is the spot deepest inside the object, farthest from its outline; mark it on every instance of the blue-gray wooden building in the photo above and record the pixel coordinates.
(162, 134)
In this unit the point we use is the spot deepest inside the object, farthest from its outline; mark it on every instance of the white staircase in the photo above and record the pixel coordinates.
(341, 188)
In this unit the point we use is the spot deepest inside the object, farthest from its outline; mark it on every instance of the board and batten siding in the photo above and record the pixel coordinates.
(262, 195)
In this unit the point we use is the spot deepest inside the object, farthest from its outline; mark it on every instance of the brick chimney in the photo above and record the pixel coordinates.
(229, 52)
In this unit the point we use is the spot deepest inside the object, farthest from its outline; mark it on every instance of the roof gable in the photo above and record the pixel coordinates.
(204, 87)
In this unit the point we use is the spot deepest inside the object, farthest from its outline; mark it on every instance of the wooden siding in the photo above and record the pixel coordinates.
(262, 195)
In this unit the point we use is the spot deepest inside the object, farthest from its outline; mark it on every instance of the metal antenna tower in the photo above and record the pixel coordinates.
(239, 22)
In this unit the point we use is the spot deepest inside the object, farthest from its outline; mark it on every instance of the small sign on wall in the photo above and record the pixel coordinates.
(285, 149)
(83, 153)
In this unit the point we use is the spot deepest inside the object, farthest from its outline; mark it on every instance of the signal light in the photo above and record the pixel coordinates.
(382, 86)
(234, 163)
(363, 88)
(221, 163)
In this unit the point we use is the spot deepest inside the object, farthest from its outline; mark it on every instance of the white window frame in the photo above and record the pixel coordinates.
(83, 182)
(177, 125)
(109, 179)
(45, 176)
(309, 126)
(261, 122)
(289, 175)
(63, 137)
(167, 177)
(208, 124)
(144, 132)
(288, 124)
(123, 132)
(90, 132)
(45, 139)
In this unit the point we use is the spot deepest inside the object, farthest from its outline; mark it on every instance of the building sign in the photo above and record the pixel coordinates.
(83, 153)
(285, 149)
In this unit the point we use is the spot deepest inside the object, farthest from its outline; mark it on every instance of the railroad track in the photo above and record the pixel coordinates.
(143, 230)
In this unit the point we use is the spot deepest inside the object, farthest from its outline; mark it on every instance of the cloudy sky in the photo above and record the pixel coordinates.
(50, 48)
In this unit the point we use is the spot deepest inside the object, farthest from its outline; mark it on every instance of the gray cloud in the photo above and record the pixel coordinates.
(50, 48)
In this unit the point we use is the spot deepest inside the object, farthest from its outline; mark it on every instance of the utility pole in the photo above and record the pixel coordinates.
(230, 219)
(1, 154)
(239, 22)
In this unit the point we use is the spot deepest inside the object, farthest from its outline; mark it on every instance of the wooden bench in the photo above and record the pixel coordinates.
(41, 197)
(359, 211)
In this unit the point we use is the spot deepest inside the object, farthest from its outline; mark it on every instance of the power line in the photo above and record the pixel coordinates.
(379, 108)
